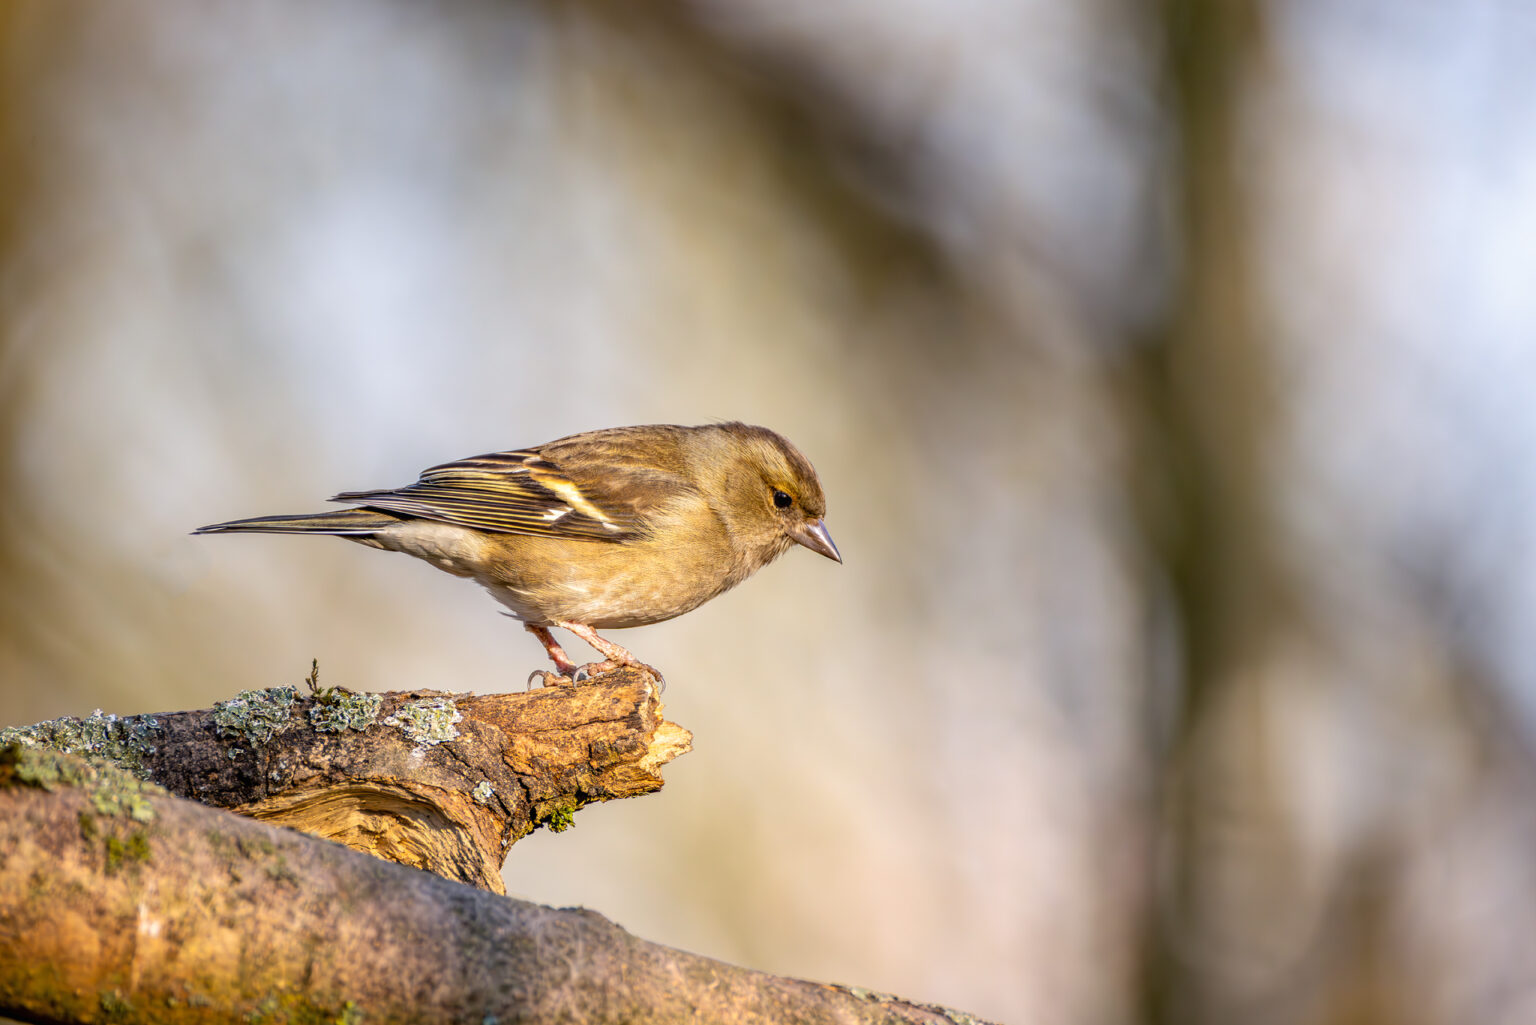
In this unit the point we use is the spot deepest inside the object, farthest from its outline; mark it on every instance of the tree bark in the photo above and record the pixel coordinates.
(119, 902)
(443, 782)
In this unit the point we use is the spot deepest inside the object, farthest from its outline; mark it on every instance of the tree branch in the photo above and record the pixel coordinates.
(437, 781)
(119, 902)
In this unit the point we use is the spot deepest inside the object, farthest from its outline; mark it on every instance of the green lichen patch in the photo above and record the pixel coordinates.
(130, 850)
(113, 792)
(559, 815)
(267, 1010)
(428, 721)
(114, 1006)
(483, 792)
(125, 802)
(254, 716)
(336, 710)
(119, 801)
(304, 1010)
(45, 769)
(125, 741)
(279, 871)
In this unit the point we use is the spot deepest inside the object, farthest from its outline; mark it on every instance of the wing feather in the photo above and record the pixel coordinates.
(600, 493)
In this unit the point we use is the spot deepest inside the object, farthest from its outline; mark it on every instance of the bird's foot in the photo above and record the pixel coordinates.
(567, 672)
(593, 670)
(613, 655)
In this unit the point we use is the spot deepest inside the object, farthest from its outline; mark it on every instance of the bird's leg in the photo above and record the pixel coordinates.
(563, 664)
(614, 654)
(609, 650)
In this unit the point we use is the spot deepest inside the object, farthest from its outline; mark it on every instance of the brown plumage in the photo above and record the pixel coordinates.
(607, 529)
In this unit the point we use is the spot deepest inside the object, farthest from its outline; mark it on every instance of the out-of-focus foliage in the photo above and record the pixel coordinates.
(1167, 366)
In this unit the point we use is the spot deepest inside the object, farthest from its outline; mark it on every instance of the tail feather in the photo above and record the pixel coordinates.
(339, 521)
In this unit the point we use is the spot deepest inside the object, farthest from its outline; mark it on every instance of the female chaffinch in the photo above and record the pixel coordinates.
(602, 530)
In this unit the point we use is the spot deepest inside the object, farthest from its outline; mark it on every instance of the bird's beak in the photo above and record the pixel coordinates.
(815, 537)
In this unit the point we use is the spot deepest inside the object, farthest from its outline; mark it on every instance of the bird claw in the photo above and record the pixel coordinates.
(592, 670)
(548, 679)
(661, 681)
(616, 656)
(649, 670)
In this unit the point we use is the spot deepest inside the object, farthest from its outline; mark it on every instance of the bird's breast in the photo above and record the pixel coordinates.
(606, 585)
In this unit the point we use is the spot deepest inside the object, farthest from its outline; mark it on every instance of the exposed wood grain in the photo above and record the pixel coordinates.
(442, 782)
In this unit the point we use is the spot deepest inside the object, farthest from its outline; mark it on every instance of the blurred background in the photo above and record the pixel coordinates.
(1168, 366)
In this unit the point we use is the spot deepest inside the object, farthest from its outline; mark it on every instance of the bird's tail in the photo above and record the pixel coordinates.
(339, 521)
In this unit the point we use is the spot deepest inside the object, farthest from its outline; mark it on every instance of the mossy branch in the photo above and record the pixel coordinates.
(121, 903)
(437, 781)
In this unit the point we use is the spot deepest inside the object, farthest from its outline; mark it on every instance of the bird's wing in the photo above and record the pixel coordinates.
(599, 492)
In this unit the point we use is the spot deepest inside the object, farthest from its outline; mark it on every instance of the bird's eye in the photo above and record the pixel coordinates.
(782, 500)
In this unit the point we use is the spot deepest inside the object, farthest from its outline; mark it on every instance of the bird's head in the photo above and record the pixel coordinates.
(771, 496)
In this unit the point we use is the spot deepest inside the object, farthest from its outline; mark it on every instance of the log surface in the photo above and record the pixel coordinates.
(442, 782)
(121, 903)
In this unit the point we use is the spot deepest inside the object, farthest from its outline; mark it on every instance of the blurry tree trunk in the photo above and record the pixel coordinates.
(1213, 414)
(1211, 391)
(30, 39)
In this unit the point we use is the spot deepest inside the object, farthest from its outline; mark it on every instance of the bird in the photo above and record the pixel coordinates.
(603, 530)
